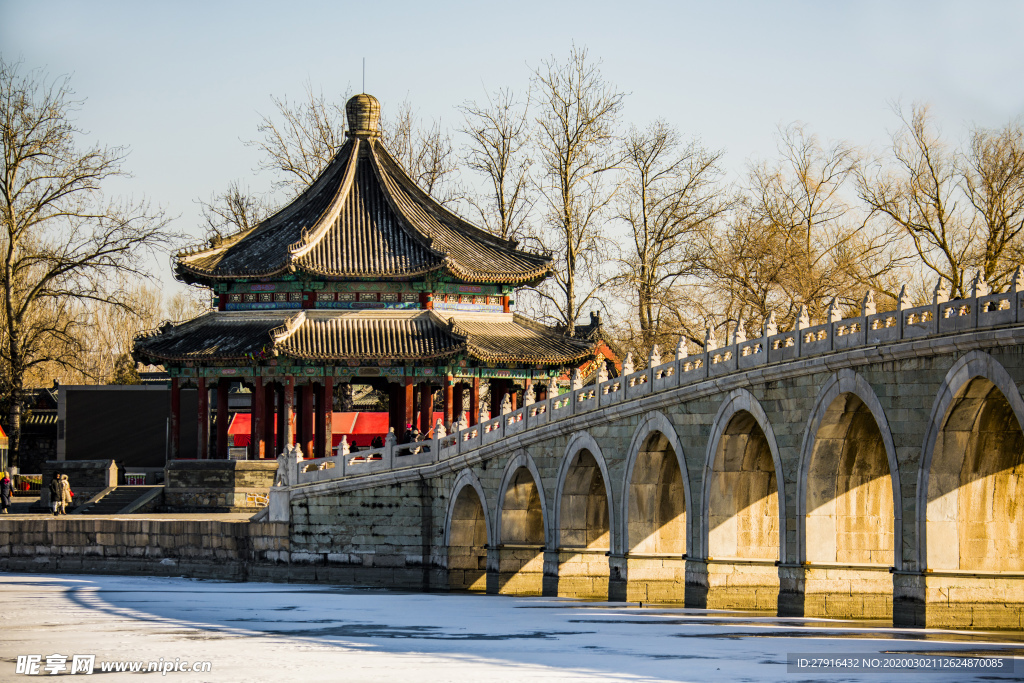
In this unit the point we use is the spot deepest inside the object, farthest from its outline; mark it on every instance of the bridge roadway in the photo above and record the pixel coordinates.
(867, 467)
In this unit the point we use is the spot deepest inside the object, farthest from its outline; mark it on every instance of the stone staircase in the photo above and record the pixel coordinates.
(116, 500)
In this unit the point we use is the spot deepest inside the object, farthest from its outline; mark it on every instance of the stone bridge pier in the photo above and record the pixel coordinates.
(872, 483)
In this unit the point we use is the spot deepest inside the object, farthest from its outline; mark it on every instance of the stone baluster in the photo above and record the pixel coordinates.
(681, 351)
(529, 398)
(739, 335)
(654, 359)
(803, 320)
(506, 403)
(903, 300)
(552, 389)
(343, 447)
(941, 294)
(771, 328)
(577, 379)
(834, 314)
(710, 343)
(868, 305)
(390, 440)
(979, 286)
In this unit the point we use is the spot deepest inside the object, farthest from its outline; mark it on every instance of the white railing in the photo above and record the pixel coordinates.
(949, 317)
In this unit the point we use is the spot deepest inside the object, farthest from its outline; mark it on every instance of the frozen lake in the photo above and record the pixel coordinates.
(277, 632)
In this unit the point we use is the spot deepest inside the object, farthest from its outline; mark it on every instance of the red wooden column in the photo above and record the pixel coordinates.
(174, 447)
(409, 403)
(426, 408)
(512, 394)
(203, 417)
(306, 420)
(222, 418)
(474, 402)
(256, 433)
(448, 400)
(268, 420)
(457, 408)
(328, 430)
(288, 425)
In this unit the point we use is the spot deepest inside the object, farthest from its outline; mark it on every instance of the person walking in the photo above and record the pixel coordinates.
(6, 491)
(55, 494)
(65, 494)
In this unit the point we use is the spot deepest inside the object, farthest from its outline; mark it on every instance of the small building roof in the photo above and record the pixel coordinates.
(364, 218)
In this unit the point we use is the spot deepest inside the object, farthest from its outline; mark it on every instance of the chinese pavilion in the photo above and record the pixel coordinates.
(362, 278)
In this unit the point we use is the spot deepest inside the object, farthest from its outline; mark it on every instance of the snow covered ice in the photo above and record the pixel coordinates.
(301, 632)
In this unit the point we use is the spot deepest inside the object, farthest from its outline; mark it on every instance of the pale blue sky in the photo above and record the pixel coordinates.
(182, 83)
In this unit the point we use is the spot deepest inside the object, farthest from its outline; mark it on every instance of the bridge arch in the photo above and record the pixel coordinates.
(660, 508)
(520, 472)
(742, 425)
(467, 533)
(521, 530)
(467, 478)
(972, 462)
(583, 476)
(848, 464)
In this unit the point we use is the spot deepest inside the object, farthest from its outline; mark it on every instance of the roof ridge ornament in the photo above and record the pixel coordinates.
(279, 334)
(363, 113)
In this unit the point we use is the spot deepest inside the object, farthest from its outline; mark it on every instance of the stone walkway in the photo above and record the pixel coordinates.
(21, 509)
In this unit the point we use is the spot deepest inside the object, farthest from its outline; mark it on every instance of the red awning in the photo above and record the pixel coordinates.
(360, 428)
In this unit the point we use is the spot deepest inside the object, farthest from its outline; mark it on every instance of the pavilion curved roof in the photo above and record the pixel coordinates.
(364, 218)
(364, 336)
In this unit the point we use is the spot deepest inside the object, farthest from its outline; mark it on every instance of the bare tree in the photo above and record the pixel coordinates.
(793, 240)
(425, 151)
(235, 210)
(576, 120)
(832, 250)
(63, 244)
(108, 340)
(498, 133)
(187, 304)
(671, 201)
(298, 144)
(917, 192)
(993, 180)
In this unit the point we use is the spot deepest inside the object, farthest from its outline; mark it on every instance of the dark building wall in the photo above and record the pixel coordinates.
(125, 423)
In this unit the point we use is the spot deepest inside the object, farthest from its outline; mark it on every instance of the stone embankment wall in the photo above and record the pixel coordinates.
(390, 535)
(200, 548)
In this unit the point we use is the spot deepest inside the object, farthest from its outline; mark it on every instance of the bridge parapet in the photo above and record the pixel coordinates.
(868, 330)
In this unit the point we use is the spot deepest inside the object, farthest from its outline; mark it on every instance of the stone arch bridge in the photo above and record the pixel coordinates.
(870, 467)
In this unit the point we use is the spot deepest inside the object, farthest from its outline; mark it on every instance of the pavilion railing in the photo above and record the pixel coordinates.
(874, 329)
